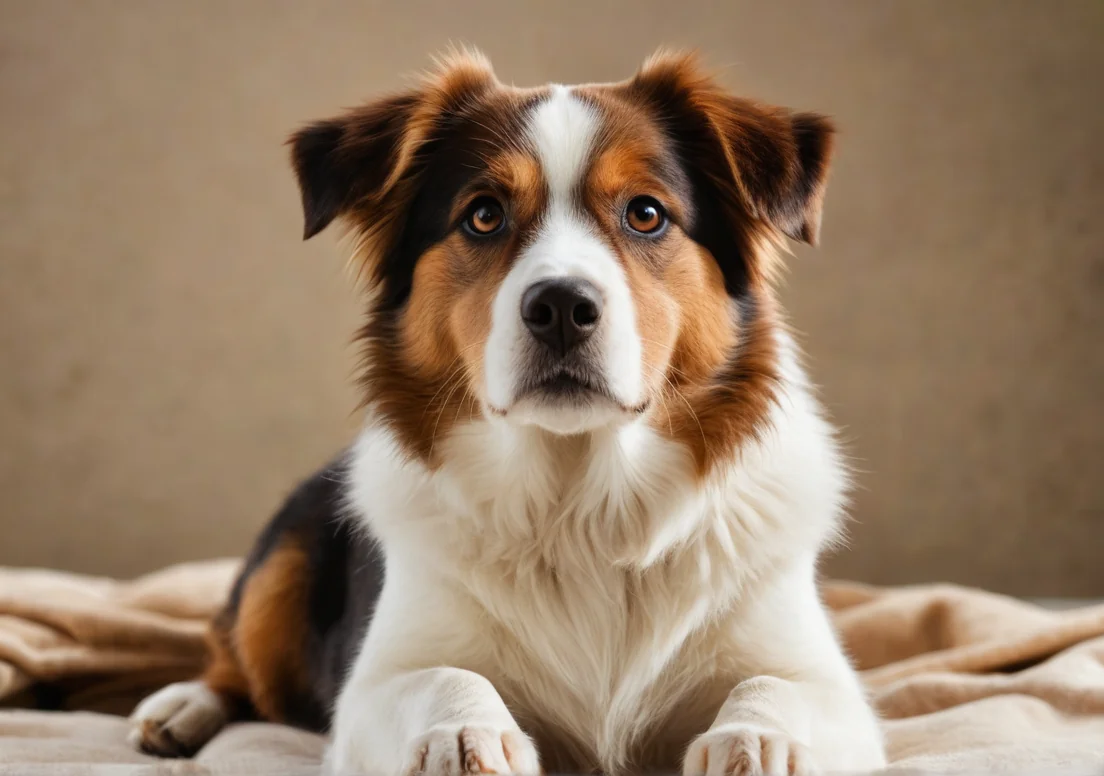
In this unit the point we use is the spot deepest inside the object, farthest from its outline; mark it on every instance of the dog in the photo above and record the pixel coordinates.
(579, 531)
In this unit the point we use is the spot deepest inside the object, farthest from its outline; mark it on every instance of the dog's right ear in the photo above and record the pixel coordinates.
(350, 160)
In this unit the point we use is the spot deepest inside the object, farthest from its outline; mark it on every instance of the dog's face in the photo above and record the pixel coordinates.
(568, 258)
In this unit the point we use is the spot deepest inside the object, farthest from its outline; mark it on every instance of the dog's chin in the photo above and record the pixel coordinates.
(566, 406)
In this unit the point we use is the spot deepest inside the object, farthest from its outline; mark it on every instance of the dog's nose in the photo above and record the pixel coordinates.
(561, 312)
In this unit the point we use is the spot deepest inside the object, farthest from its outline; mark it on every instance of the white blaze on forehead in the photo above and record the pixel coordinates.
(561, 131)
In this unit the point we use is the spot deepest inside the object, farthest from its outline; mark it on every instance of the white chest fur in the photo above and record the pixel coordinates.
(593, 572)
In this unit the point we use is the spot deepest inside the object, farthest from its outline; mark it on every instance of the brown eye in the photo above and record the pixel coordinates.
(645, 216)
(485, 217)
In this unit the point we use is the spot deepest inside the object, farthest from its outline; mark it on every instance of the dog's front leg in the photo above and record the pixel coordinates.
(403, 710)
(799, 707)
(438, 721)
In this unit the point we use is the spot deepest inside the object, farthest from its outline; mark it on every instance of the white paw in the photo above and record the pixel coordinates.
(453, 750)
(739, 750)
(177, 720)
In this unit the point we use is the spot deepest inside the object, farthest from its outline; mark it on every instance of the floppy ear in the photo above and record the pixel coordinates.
(356, 160)
(776, 161)
(349, 160)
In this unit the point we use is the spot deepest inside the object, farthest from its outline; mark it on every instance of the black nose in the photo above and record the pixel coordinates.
(561, 312)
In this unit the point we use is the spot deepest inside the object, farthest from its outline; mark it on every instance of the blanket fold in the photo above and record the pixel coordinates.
(965, 680)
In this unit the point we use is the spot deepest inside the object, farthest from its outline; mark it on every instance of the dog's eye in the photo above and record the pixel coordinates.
(645, 216)
(485, 217)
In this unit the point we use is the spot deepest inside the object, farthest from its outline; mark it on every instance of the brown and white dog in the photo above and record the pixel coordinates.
(580, 528)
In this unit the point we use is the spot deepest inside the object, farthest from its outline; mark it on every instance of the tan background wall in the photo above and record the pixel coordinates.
(172, 357)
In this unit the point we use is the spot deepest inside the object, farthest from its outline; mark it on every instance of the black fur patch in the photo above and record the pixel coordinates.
(345, 580)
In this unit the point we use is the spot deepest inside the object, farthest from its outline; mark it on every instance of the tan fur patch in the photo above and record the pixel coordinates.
(223, 674)
(715, 415)
(426, 374)
(270, 632)
(519, 175)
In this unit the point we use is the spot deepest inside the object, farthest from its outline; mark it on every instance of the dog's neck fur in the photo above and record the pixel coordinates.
(621, 497)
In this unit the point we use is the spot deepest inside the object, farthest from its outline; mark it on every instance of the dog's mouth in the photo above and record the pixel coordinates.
(563, 385)
(566, 387)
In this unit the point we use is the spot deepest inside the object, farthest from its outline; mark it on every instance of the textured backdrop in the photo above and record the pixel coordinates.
(172, 357)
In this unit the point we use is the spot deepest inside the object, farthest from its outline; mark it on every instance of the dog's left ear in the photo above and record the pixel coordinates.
(776, 161)
(347, 162)
(355, 163)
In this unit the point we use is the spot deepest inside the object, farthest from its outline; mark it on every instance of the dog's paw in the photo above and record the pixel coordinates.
(177, 720)
(468, 749)
(452, 750)
(740, 750)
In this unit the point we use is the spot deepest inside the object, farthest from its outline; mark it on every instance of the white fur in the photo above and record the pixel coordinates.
(177, 719)
(618, 607)
(562, 131)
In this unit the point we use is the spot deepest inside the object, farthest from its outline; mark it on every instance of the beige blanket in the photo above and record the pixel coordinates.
(967, 681)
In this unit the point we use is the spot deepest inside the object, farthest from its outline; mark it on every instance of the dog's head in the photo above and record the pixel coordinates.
(568, 258)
